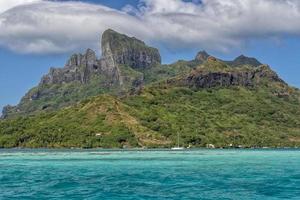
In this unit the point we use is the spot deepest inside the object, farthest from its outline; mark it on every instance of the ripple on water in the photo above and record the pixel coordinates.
(107, 174)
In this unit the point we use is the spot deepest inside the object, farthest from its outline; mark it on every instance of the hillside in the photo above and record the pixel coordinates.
(215, 103)
(98, 121)
(127, 98)
(126, 64)
(220, 105)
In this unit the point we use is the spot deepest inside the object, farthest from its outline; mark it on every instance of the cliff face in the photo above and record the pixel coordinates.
(214, 73)
(78, 68)
(247, 78)
(117, 50)
(123, 50)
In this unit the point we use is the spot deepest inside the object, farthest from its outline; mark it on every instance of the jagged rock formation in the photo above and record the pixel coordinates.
(6, 111)
(244, 60)
(78, 68)
(241, 60)
(215, 73)
(202, 56)
(126, 64)
(117, 50)
(202, 79)
(121, 49)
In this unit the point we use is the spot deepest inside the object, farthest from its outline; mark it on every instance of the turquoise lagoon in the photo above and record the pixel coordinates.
(149, 174)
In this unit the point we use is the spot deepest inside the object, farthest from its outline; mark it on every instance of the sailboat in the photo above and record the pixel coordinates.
(178, 147)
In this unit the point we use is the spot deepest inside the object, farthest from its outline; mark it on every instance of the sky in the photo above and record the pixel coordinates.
(38, 34)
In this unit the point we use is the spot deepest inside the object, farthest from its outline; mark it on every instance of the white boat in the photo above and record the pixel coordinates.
(178, 147)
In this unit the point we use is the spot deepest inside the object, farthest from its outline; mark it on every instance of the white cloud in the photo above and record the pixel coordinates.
(8, 4)
(54, 27)
(221, 24)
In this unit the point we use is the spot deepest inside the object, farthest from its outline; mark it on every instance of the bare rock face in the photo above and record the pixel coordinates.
(210, 79)
(128, 51)
(117, 49)
(211, 59)
(7, 110)
(78, 68)
(223, 79)
(244, 60)
(202, 56)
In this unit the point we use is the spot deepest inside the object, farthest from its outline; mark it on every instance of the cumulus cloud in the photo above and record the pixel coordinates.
(7, 4)
(221, 24)
(55, 27)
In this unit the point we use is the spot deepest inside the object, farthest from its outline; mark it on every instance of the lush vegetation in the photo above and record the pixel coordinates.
(267, 113)
(96, 122)
(162, 72)
(56, 96)
(223, 116)
(220, 116)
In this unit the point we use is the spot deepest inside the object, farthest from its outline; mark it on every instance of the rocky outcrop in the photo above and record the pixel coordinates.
(78, 68)
(7, 110)
(215, 79)
(208, 79)
(128, 51)
(202, 56)
(117, 49)
(244, 60)
(241, 60)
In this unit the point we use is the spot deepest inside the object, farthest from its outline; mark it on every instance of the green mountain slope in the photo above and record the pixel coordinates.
(213, 104)
(259, 111)
(96, 122)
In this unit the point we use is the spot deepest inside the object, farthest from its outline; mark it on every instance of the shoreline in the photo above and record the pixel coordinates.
(148, 149)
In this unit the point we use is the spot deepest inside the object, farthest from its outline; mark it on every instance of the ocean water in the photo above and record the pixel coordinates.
(111, 174)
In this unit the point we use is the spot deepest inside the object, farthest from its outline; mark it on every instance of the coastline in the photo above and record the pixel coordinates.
(146, 149)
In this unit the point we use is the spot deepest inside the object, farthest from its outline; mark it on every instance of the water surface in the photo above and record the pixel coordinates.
(157, 174)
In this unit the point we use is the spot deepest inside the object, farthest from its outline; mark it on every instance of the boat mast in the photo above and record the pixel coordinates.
(178, 139)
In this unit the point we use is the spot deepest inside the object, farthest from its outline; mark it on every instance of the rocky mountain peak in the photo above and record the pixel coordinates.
(207, 77)
(117, 49)
(202, 56)
(128, 51)
(79, 67)
(244, 60)
(88, 58)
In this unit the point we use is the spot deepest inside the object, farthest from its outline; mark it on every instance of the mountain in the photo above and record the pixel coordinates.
(126, 64)
(84, 75)
(239, 61)
(244, 60)
(127, 98)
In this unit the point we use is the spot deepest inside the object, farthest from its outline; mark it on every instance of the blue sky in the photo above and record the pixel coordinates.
(179, 29)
